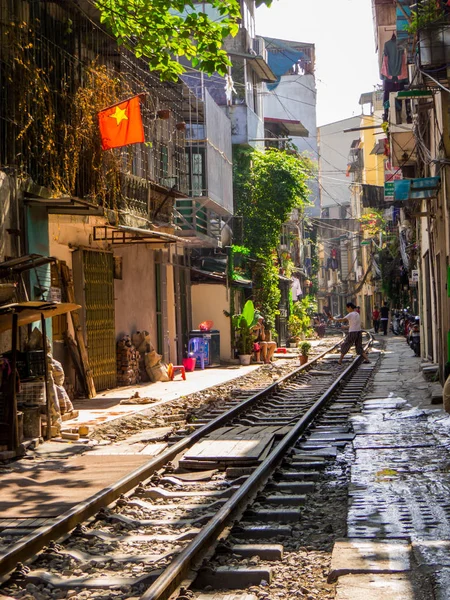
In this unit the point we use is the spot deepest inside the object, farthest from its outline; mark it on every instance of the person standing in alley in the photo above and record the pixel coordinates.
(384, 314)
(354, 335)
(376, 319)
(262, 346)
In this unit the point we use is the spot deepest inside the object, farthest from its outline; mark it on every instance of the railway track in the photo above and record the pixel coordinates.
(148, 536)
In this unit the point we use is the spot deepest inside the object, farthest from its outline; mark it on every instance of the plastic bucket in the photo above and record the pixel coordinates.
(189, 364)
(31, 421)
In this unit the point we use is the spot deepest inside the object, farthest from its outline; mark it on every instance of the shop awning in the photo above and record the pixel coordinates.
(16, 266)
(122, 235)
(259, 64)
(29, 312)
(379, 147)
(66, 205)
(295, 128)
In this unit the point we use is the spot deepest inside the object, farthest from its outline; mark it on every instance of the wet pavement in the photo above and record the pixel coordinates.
(398, 534)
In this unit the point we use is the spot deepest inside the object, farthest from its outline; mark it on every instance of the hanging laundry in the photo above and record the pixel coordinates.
(296, 289)
(394, 61)
(229, 89)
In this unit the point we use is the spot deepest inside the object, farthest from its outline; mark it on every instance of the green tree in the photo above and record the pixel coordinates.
(267, 187)
(162, 30)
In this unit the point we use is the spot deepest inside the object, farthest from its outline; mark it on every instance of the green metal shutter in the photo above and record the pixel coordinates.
(98, 270)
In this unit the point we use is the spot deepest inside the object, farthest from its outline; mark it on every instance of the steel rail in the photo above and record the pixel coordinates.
(168, 582)
(31, 544)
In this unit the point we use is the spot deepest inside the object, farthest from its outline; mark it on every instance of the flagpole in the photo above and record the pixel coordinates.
(141, 95)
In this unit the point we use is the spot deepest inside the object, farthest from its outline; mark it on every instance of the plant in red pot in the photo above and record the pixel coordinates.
(305, 347)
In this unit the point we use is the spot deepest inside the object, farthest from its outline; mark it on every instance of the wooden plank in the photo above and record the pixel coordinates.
(235, 450)
(67, 282)
(154, 449)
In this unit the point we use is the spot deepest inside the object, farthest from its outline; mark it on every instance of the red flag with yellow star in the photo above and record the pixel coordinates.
(121, 124)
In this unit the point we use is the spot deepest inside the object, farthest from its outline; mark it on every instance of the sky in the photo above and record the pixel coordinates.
(342, 30)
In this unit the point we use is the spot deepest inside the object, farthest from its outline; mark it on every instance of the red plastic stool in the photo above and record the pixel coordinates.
(177, 369)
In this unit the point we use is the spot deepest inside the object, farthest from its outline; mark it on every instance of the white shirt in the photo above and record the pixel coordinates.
(354, 321)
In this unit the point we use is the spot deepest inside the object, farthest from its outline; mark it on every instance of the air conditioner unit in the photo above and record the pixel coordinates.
(259, 46)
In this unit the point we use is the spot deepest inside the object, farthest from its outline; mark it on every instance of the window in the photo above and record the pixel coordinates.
(197, 178)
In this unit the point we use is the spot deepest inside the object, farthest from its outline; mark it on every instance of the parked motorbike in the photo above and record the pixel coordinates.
(414, 336)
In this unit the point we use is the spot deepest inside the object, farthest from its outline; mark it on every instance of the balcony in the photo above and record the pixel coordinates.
(246, 126)
(202, 215)
(434, 48)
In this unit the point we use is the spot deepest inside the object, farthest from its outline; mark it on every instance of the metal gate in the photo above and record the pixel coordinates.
(98, 280)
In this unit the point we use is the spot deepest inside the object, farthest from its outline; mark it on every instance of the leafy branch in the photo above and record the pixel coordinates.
(163, 30)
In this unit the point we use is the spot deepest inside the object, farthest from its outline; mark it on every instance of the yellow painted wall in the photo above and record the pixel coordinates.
(373, 173)
(208, 303)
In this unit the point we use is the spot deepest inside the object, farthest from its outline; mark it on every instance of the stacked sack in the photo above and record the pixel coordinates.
(156, 370)
(141, 341)
(127, 362)
(65, 404)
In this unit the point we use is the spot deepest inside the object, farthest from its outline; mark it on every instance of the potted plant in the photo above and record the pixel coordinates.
(295, 330)
(305, 347)
(429, 24)
(243, 324)
(427, 13)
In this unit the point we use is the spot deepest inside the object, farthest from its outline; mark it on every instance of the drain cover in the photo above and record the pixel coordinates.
(400, 492)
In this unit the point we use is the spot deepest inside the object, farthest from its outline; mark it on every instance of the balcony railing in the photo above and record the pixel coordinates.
(434, 46)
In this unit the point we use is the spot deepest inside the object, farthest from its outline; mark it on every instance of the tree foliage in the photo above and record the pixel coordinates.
(277, 183)
(162, 30)
(267, 187)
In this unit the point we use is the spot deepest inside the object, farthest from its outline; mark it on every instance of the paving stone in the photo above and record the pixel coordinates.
(356, 556)
(376, 587)
(384, 404)
(377, 423)
(394, 440)
(400, 492)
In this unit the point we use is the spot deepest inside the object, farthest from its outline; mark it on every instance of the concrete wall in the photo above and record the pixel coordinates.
(135, 293)
(208, 303)
(246, 126)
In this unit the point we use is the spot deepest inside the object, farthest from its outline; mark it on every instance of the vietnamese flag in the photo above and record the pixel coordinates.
(121, 124)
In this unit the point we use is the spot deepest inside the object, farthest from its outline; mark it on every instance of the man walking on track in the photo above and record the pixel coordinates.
(354, 335)
(384, 318)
